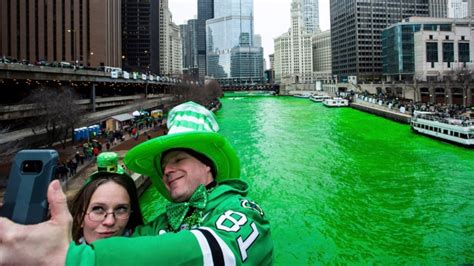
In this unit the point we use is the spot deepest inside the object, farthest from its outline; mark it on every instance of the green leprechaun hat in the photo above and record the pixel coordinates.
(107, 163)
(191, 126)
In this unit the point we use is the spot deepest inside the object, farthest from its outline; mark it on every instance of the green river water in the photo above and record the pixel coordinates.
(341, 186)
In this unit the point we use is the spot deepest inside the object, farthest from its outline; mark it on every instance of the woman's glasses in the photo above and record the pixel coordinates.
(98, 214)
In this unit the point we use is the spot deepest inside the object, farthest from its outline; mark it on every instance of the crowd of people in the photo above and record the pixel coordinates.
(409, 106)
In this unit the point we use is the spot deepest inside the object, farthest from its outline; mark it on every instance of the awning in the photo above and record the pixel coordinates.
(123, 117)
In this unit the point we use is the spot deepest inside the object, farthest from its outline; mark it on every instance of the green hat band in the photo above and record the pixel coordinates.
(191, 117)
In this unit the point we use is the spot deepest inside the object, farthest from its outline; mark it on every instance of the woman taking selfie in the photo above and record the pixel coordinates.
(107, 204)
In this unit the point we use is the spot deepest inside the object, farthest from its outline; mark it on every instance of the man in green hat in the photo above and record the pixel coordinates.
(208, 221)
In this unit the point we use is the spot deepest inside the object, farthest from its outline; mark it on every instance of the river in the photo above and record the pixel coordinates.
(341, 186)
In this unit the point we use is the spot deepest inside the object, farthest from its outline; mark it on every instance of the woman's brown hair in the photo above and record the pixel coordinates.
(81, 201)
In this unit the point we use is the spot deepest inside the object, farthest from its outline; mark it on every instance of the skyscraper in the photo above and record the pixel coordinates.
(356, 28)
(471, 8)
(189, 41)
(141, 36)
(458, 8)
(310, 15)
(85, 32)
(205, 11)
(438, 8)
(170, 43)
(322, 55)
(230, 39)
(293, 50)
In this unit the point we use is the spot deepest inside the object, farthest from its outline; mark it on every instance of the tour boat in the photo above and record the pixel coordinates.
(454, 130)
(336, 102)
(319, 98)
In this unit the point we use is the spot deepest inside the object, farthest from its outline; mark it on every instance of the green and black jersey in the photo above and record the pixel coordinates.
(234, 231)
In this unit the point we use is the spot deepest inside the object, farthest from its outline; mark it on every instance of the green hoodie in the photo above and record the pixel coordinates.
(234, 232)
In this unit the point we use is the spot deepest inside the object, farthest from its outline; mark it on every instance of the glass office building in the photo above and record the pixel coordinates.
(310, 12)
(398, 51)
(420, 47)
(231, 28)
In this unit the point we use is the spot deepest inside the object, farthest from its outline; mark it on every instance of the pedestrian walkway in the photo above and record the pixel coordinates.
(73, 183)
(382, 111)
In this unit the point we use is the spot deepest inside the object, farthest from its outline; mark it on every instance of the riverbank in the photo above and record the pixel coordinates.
(382, 111)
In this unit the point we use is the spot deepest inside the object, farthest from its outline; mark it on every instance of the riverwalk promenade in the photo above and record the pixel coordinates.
(73, 183)
(381, 110)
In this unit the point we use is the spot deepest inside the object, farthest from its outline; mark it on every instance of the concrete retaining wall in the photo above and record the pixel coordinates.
(141, 182)
(398, 117)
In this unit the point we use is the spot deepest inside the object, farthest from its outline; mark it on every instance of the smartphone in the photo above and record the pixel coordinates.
(25, 200)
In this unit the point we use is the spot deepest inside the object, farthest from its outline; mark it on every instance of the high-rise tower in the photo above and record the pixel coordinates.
(205, 11)
(310, 15)
(83, 32)
(356, 30)
(458, 8)
(189, 41)
(231, 55)
(293, 50)
(438, 8)
(170, 43)
(141, 36)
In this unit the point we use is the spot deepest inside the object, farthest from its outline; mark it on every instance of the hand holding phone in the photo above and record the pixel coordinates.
(25, 200)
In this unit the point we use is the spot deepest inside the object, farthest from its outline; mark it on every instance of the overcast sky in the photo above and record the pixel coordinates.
(271, 17)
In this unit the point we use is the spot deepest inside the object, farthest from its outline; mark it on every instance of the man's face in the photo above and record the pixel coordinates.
(182, 174)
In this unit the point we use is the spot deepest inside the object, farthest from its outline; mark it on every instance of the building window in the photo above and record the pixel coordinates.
(431, 37)
(431, 52)
(463, 52)
(448, 52)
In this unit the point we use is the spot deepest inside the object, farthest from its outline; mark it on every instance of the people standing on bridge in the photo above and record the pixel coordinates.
(107, 204)
(209, 219)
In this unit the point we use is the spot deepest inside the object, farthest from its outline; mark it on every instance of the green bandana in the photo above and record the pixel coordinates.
(176, 212)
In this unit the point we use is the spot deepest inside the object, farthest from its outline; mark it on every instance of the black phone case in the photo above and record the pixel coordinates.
(25, 199)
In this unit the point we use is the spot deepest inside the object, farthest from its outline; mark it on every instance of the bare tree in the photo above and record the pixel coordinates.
(214, 90)
(464, 77)
(191, 91)
(58, 113)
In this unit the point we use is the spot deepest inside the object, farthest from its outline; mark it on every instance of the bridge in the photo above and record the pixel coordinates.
(270, 88)
(100, 95)
(17, 80)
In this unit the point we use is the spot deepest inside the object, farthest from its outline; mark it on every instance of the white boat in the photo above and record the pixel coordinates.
(319, 98)
(453, 130)
(302, 95)
(336, 102)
